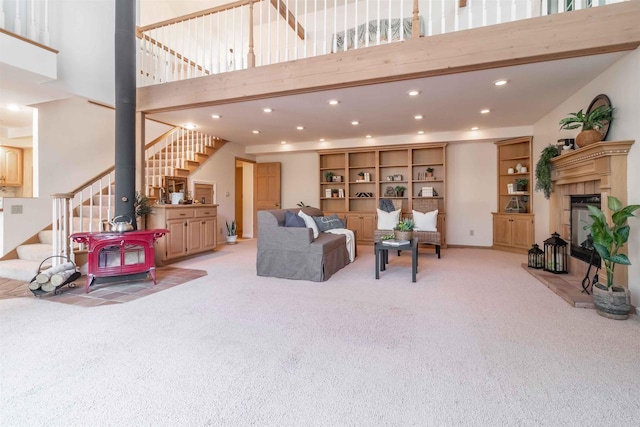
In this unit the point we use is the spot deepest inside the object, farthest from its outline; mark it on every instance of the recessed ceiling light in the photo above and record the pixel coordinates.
(355, 122)
(13, 107)
(500, 82)
(283, 142)
(300, 127)
(418, 117)
(420, 132)
(267, 110)
(322, 139)
(368, 136)
(256, 131)
(485, 111)
(414, 93)
(474, 128)
(190, 126)
(215, 116)
(334, 102)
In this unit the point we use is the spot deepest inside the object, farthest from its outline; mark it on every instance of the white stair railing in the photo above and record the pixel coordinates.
(262, 32)
(26, 18)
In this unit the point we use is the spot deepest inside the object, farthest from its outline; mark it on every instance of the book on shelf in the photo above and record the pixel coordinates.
(394, 242)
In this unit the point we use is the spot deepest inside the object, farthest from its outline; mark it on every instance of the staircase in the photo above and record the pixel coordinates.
(177, 153)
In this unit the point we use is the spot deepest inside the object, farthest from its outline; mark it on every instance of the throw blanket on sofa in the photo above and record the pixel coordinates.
(351, 241)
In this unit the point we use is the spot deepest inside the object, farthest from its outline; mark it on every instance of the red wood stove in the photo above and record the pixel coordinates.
(120, 254)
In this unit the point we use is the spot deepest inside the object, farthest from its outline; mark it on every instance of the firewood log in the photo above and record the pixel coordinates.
(44, 276)
(48, 287)
(59, 278)
(34, 286)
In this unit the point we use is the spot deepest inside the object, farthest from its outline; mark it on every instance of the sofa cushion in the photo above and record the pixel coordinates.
(330, 222)
(426, 221)
(327, 242)
(388, 220)
(293, 220)
(310, 223)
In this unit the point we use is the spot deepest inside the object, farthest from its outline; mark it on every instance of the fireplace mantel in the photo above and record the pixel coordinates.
(599, 168)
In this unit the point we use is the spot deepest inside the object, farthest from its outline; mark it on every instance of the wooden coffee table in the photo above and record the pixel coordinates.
(382, 256)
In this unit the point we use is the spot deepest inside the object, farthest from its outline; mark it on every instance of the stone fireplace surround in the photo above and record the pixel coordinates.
(599, 168)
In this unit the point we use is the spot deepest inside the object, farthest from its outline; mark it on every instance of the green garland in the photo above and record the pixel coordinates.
(543, 170)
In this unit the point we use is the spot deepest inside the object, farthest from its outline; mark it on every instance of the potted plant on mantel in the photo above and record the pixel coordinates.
(610, 300)
(232, 238)
(591, 123)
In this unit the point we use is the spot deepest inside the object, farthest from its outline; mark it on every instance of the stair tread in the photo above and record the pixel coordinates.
(34, 251)
(19, 269)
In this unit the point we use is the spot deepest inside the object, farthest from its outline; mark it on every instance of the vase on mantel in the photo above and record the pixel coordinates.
(588, 137)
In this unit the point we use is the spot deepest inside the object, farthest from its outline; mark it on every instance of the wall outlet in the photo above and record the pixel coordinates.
(471, 232)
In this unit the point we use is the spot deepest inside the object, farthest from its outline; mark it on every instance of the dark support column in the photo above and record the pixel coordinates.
(125, 72)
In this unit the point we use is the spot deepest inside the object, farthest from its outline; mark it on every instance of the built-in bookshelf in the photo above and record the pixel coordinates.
(367, 175)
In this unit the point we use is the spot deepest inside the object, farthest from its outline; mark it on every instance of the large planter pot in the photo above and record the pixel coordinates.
(403, 235)
(232, 240)
(588, 137)
(613, 303)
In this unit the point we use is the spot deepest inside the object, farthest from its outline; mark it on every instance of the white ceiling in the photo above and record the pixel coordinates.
(448, 103)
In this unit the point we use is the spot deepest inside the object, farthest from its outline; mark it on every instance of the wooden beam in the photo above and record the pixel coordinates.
(541, 39)
(284, 12)
(462, 3)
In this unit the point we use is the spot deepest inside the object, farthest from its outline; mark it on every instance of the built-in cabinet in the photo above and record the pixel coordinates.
(352, 182)
(192, 230)
(513, 221)
(11, 166)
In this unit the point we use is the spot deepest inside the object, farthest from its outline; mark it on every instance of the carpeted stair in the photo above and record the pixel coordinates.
(25, 267)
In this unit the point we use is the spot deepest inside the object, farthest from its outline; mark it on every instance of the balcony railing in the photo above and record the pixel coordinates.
(249, 33)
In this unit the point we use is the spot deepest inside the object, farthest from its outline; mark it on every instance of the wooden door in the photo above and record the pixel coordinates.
(11, 167)
(522, 232)
(209, 239)
(369, 224)
(194, 237)
(266, 189)
(501, 230)
(176, 240)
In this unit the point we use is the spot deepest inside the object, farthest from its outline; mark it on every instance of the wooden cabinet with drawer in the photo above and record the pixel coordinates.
(192, 230)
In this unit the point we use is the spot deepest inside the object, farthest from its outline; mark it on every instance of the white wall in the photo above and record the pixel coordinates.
(220, 169)
(621, 84)
(300, 180)
(471, 193)
(76, 142)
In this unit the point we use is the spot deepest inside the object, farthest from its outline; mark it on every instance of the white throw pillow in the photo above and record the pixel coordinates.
(310, 223)
(426, 221)
(388, 220)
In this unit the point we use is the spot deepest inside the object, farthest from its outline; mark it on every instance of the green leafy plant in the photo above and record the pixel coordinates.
(592, 120)
(328, 176)
(543, 169)
(301, 204)
(521, 182)
(406, 224)
(387, 237)
(231, 228)
(429, 170)
(608, 239)
(142, 205)
(400, 189)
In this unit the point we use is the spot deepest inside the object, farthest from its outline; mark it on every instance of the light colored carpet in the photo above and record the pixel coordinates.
(477, 341)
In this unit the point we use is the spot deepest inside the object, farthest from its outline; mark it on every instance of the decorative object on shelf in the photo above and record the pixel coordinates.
(608, 239)
(334, 192)
(327, 193)
(389, 192)
(426, 192)
(397, 177)
(364, 194)
(389, 177)
(400, 190)
(515, 205)
(565, 145)
(510, 171)
(536, 257)
(521, 184)
(404, 229)
(328, 176)
(341, 193)
(337, 178)
(518, 168)
(599, 101)
(232, 238)
(543, 170)
(555, 254)
(429, 172)
(523, 169)
(591, 122)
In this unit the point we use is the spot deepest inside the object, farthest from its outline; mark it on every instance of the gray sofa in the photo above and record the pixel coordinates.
(292, 253)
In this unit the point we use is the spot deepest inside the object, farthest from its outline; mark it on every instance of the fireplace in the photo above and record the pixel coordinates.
(581, 246)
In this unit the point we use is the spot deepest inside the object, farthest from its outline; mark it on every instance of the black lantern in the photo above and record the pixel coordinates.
(555, 254)
(536, 257)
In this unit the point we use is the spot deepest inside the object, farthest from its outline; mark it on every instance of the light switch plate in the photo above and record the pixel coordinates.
(16, 209)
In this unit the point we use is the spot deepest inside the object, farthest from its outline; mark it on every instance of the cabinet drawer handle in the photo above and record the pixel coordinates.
(182, 214)
(206, 213)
